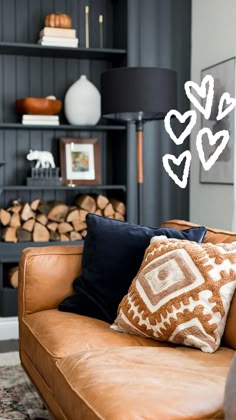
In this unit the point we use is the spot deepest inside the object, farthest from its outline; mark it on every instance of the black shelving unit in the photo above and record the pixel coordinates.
(63, 188)
(9, 257)
(62, 127)
(80, 53)
(10, 253)
(29, 69)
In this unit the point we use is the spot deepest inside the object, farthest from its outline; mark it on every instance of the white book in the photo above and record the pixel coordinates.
(58, 44)
(58, 40)
(58, 32)
(40, 122)
(30, 117)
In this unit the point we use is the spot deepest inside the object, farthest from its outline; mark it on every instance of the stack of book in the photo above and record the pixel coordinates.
(28, 119)
(58, 37)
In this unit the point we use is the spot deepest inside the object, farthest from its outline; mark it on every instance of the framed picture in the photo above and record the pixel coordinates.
(224, 81)
(80, 161)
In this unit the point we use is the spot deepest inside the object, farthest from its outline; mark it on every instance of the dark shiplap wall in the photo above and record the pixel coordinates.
(159, 34)
(21, 76)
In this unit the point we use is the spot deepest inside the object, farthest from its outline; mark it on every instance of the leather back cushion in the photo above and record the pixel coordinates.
(215, 236)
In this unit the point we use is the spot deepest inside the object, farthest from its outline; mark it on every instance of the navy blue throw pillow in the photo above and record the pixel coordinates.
(113, 253)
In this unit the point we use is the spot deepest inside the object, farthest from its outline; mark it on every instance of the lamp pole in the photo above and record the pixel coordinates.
(139, 140)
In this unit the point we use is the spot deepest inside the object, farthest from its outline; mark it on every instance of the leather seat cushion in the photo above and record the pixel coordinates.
(142, 383)
(51, 335)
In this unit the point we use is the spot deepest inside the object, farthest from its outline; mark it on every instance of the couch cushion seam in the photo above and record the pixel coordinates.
(38, 339)
(79, 394)
(41, 377)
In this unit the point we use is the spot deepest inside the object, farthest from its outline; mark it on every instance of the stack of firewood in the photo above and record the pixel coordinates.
(41, 221)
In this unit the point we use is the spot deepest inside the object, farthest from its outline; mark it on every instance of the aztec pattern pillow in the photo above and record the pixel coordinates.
(181, 293)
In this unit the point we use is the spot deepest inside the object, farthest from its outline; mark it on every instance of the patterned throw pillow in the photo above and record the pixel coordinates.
(181, 293)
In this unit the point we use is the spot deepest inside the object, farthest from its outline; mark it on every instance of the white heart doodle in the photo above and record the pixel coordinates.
(207, 164)
(177, 161)
(182, 118)
(203, 93)
(229, 101)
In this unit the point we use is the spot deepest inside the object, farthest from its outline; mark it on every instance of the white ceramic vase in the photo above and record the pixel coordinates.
(82, 105)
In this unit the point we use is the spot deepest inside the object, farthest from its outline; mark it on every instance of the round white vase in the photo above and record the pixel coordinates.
(82, 104)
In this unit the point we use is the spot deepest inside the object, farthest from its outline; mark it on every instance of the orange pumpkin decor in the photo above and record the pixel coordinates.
(58, 20)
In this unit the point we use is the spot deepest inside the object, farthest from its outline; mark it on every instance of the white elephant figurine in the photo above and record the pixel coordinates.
(44, 159)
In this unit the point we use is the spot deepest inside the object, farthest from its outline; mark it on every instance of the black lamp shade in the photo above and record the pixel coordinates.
(133, 93)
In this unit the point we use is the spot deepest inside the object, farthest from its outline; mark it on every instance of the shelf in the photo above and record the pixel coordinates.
(64, 127)
(36, 50)
(61, 187)
(10, 252)
(8, 302)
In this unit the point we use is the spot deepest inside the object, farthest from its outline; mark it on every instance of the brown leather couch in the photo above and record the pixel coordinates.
(83, 370)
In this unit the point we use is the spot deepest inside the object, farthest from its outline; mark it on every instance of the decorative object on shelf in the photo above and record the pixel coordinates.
(44, 159)
(49, 120)
(45, 172)
(80, 161)
(87, 26)
(82, 105)
(2, 163)
(58, 42)
(72, 149)
(58, 37)
(58, 20)
(138, 94)
(44, 177)
(100, 19)
(58, 33)
(39, 106)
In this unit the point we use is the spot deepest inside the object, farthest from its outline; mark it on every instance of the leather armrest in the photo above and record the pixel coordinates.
(46, 275)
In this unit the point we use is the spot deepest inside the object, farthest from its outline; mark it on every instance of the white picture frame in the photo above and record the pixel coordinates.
(222, 172)
(80, 161)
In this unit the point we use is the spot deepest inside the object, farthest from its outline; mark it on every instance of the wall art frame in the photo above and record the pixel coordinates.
(80, 161)
(222, 172)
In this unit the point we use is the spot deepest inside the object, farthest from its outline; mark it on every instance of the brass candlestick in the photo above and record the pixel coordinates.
(101, 30)
(71, 184)
(87, 26)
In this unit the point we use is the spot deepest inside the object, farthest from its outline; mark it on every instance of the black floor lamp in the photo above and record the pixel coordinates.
(138, 94)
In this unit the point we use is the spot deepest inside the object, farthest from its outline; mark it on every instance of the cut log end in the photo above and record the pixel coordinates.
(40, 233)
(9, 234)
(58, 213)
(27, 212)
(86, 202)
(5, 217)
(23, 235)
(13, 277)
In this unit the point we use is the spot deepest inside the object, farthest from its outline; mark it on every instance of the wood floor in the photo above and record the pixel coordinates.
(8, 345)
